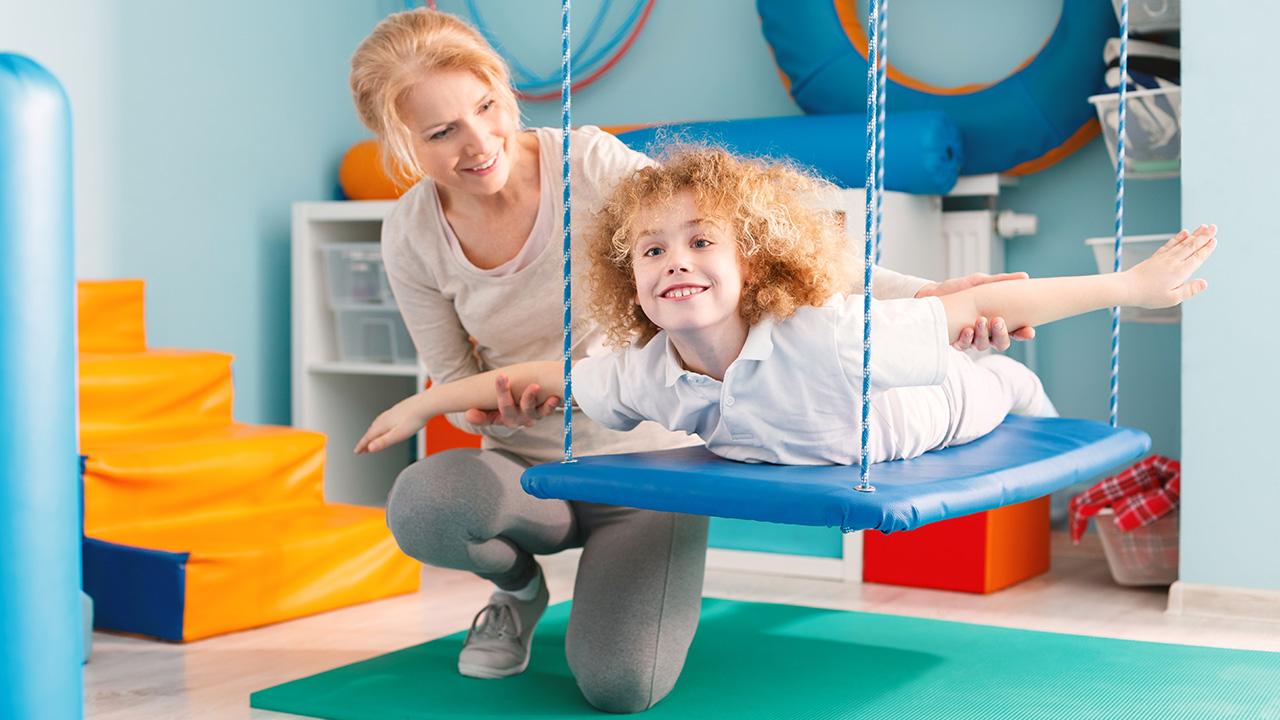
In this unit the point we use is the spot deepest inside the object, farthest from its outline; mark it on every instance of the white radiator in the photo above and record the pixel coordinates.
(970, 243)
(920, 239)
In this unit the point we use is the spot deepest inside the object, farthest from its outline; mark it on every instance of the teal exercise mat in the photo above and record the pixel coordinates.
(752, 661)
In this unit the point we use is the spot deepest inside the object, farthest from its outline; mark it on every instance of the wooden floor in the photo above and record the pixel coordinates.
(134, 679)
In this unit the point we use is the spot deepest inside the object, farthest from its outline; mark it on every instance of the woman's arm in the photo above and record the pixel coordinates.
(1159, 281)
(544, 379)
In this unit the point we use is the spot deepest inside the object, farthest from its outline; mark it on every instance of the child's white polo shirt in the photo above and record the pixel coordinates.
(793, 395)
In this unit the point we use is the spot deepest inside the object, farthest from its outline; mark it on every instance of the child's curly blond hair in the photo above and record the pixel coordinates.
(792, 246)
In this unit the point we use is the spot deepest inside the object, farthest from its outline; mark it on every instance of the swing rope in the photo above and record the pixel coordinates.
(882, 84)
(1115, 311)
(568, 274)
(877, 28)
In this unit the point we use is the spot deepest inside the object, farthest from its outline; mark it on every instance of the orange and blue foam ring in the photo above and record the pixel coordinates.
(1021, 124)
(41, 646)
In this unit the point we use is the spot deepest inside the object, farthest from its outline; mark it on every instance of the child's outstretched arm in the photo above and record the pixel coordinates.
(1159, 281)
(475, 392)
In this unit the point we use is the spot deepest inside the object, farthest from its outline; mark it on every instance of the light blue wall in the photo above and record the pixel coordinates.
(229, 112)
(196, 125)
(71, 38)
(695, 60)
(1231, 156)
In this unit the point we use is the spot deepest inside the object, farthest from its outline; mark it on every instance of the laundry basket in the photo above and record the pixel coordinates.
(1143, 556)
(1146, 16)
(1152, 130)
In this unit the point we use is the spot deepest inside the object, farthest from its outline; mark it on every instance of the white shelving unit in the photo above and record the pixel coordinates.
(329, 396)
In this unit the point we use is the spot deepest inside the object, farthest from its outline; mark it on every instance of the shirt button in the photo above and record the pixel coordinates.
(729, 401)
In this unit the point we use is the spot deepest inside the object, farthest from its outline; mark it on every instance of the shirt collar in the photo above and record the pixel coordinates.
(759, 346)
(671, 359)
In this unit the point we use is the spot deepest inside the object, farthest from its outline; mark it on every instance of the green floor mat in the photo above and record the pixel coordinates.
(752, 661)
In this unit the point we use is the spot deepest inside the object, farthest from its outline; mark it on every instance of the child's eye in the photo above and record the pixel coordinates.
(652, 252)
(701, 242)
(487, 105)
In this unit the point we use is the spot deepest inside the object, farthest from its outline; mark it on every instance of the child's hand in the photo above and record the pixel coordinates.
(1161, 280)
(401, 422)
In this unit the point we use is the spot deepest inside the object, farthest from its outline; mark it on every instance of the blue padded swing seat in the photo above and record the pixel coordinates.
(1023, 459)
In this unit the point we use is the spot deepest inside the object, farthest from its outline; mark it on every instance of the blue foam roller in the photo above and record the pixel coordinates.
(922, 151)
(41, 642)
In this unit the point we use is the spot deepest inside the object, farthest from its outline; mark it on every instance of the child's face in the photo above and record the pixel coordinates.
(688, 271)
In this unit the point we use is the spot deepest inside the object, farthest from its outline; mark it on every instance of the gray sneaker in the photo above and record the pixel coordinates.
(498, 643)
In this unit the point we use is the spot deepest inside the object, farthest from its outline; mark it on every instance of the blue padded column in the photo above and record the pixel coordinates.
(41, 676)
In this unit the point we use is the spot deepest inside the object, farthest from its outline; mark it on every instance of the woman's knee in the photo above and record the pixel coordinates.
(435, 499)
(620, 684)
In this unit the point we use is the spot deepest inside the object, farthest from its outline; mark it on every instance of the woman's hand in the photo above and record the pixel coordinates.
(983, 334)
(510, 413)
(1161, 280)
(401, 422)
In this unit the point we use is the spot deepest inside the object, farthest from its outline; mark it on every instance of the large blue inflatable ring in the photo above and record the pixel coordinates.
(1021, 124)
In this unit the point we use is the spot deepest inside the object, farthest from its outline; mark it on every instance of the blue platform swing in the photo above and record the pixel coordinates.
(1023, 459)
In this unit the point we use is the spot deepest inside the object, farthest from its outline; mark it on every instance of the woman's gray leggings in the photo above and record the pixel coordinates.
(639, 584)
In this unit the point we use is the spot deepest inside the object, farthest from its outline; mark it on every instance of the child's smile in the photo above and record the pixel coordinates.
(688, 274)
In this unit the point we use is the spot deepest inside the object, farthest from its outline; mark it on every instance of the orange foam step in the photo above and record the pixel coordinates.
(978, 553)
(154, 389)
(111, 316)
(255, 568)
(159, 477)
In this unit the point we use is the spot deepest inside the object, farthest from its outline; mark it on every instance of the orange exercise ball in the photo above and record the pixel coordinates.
(362, 177)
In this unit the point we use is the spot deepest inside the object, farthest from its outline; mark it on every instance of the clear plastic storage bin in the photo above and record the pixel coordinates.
(1153, 130)
(1143, 556)
(356, 275)
(1136, 249)
(374, 335)
(1147, 16)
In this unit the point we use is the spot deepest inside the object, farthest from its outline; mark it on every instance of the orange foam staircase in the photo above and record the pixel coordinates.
(196, 525)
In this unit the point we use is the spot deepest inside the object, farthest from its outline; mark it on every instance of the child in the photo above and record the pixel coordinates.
(716, 279)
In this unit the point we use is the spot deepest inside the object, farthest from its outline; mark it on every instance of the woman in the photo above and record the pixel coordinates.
(473, 256)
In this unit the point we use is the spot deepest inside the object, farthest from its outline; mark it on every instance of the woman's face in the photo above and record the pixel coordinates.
(464, 136)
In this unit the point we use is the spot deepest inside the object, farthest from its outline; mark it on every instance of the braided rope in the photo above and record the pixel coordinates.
(874, 59)
(565, 183)
(1115, 311)
(882, 84)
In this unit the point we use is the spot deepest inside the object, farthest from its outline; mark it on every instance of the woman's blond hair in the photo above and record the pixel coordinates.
(792, 246)
(395, 56)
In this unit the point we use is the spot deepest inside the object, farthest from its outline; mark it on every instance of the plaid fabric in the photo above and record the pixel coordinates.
(1138, 496)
